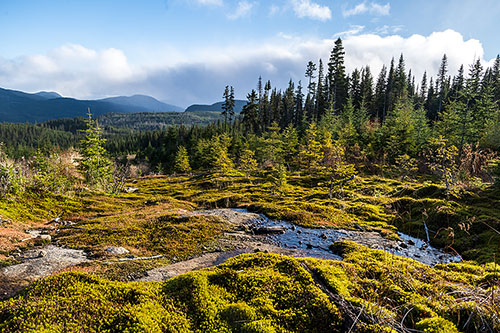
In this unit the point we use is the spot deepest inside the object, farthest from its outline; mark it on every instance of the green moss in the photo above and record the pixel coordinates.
(436, 325)
(268, 292)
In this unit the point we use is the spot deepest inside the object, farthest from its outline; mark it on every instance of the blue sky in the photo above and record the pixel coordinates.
(186, 51)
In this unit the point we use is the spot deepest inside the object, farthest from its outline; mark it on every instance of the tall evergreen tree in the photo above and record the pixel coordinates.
(250, 113)
(321, 93)
(225, 105)
(381, 94)
(355, 85)
(338, 84)
(390, 89)
(367, 90)
(299, 105)
(288, 105)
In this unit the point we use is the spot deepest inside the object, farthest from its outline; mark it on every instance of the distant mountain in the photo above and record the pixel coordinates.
(142, 101)
(48, 94)
(216, 107)
(17, 106)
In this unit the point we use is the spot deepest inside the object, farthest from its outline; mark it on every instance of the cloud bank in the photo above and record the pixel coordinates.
(76, 71)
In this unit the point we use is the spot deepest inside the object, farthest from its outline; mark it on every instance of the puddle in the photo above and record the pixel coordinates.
(315, 242)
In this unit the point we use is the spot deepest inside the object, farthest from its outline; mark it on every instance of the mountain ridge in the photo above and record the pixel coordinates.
(18, 106)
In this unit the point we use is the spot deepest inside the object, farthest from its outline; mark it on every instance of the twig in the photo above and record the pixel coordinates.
(141, 258)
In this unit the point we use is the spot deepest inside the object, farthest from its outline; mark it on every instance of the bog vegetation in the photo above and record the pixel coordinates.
(381, 154)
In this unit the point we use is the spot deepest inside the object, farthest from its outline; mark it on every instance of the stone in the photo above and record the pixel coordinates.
(47, 238)
(130, 189)
(116, 250)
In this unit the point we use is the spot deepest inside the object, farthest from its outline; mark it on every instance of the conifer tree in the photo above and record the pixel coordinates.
(288, 105)
(226, 104)
(279, 180)
(250, 113)
(367, 90)
(248, 163)
(181, 162)
(299, 106)
(381, 94)
(338, 85)
(321, 94)
(310, 152)
(94, 163)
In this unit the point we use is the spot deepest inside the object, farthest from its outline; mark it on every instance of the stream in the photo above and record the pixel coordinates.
(315, 242)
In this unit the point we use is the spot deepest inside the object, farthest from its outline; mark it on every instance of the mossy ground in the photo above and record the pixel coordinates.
(265, 292)
(368, 291)
(469, 225)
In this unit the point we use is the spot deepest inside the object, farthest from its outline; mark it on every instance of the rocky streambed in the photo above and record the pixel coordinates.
(256, 232)
(316, 242)
(251, 233)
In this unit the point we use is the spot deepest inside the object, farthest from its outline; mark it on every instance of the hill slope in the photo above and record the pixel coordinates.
(17, 106)
(143, 101)
(216, 107)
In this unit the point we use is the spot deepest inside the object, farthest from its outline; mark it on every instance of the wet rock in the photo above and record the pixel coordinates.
(403, 245)
(116, 250)
(309, 245)
(269, 230)
(410, 242)
(324, 236)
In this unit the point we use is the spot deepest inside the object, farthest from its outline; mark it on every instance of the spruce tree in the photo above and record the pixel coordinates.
(381, 94)
(321, 94)
(338, 85)
(250, 113)
(248, 163)
(94, 163)
(225, 105)
(181, 162)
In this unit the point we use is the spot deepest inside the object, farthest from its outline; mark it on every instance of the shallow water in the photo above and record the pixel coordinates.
(315, 242)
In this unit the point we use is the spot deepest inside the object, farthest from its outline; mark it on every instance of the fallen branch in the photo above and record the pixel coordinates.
(141, 258)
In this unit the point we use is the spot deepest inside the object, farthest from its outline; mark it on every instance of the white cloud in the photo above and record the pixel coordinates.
(200, 76)
(71, 69)
(244, 8)
(354, 30)
(421, 53)
(312, 10)
(372, 8)
(386, 29)
(210, 2)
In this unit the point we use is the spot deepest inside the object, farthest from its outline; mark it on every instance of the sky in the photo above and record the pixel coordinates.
(186, 51)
